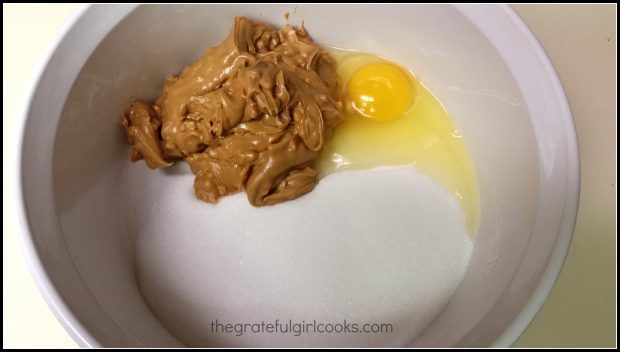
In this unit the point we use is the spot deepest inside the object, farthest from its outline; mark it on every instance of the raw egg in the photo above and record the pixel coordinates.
(380, 91)
(391, 118)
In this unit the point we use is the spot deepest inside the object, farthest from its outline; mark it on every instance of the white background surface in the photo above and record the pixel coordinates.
(581, 42)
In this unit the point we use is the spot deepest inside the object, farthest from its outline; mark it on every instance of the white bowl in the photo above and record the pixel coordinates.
(481, 61)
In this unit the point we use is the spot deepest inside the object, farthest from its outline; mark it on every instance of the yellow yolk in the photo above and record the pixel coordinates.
(380, 91)
(403, 124)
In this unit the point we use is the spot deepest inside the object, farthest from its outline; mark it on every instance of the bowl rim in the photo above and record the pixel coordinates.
(514, 330)
(50, 294)
(566, 227)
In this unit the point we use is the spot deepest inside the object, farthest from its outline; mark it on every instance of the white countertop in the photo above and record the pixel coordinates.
(581, 42)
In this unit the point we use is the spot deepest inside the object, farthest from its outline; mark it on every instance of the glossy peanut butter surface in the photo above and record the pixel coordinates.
(253, 113)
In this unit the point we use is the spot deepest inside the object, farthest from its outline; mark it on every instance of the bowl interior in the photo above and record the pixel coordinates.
(86, 217)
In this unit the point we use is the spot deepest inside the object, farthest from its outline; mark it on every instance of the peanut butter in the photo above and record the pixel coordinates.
(253, 113)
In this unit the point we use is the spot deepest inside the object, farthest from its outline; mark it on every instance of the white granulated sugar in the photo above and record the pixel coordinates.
(386, 245)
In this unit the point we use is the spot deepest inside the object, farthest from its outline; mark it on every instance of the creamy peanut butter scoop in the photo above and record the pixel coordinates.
(253, 113)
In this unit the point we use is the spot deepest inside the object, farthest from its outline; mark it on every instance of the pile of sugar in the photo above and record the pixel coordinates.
(386, 245)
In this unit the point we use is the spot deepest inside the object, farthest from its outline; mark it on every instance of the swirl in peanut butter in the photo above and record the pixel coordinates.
(252, 113)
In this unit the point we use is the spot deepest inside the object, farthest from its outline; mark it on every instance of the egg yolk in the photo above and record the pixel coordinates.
(381, 91)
